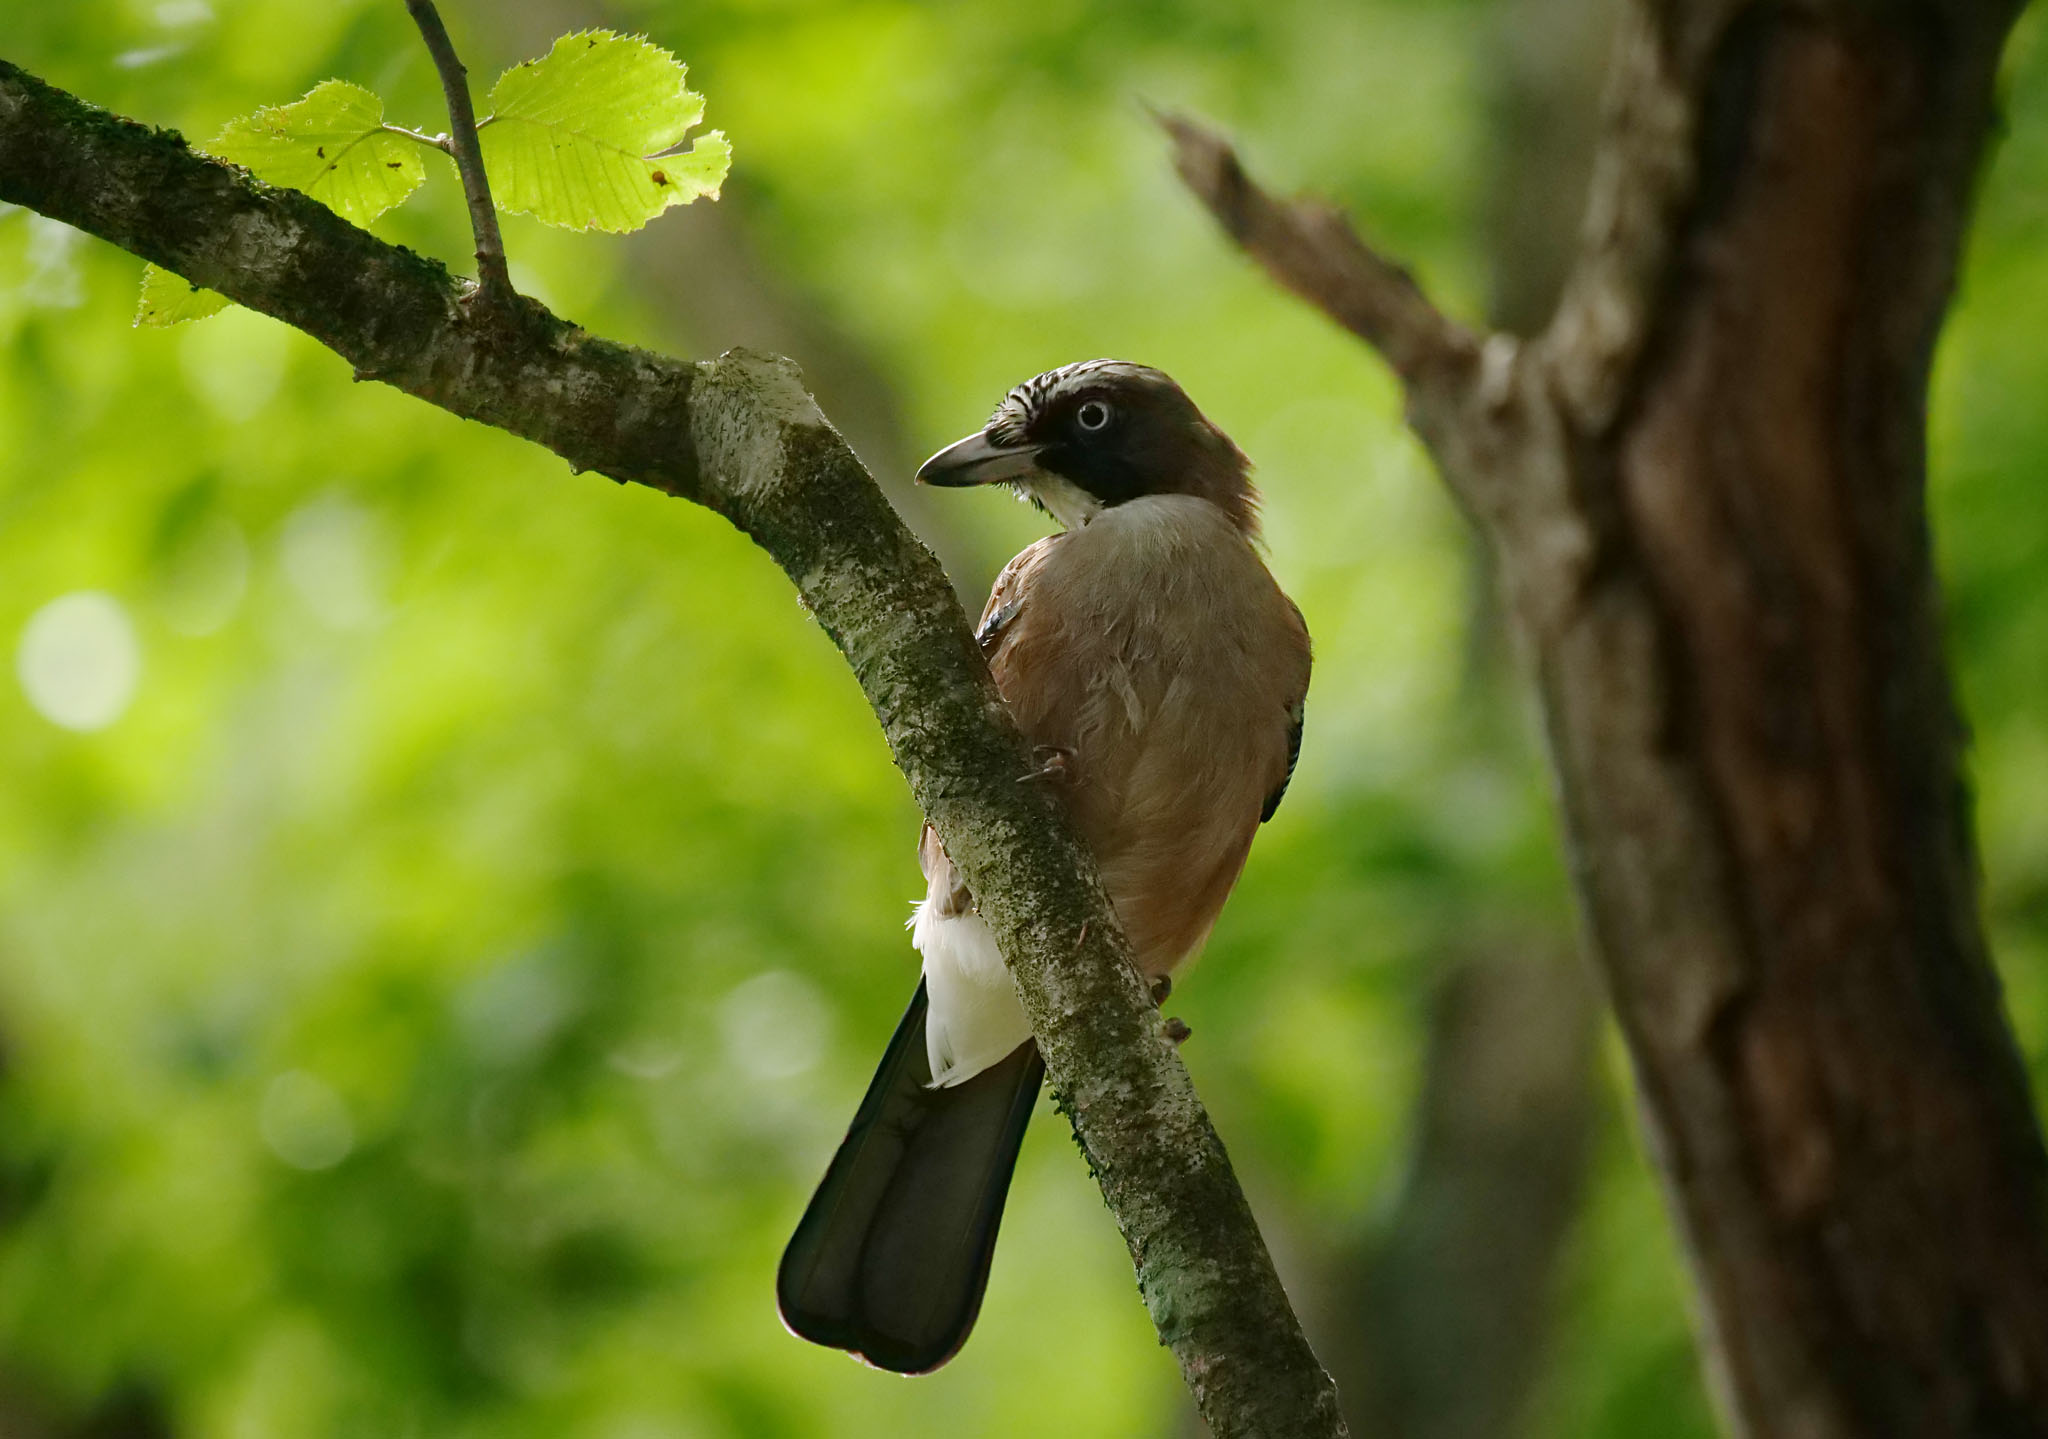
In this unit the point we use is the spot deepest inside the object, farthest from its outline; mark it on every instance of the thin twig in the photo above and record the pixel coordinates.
(492, 275)
(1312, 250)
(419, 137)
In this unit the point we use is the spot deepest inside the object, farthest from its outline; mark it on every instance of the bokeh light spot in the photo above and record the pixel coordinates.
(234, 361)
(305, 1122)
(177, 14)
(53, 279)
(775, 1025)
(79, 661)
(333, 557)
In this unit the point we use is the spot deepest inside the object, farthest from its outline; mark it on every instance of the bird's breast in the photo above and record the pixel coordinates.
(1155, 647)
(1158, 604)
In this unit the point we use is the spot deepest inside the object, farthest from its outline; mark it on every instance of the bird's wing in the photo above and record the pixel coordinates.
(1296, 713)
(1294, 718)
(1006, 600)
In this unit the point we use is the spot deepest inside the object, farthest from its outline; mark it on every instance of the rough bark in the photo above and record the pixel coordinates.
(1704, 489)
(741, 436)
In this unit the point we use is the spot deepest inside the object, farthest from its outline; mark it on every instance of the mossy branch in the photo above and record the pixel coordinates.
(741, 436)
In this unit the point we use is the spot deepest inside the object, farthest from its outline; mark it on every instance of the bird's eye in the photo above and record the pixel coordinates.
(1093, 416)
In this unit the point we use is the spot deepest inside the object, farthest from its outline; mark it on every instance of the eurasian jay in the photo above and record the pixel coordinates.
(1149, 656)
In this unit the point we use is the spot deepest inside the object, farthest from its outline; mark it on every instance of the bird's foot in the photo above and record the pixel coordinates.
(1177, 1031)
(1161, 987)
(1055, 762)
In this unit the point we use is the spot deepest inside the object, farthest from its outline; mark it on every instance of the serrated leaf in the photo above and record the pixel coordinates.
(576, 137)
(169, 299)
(332, 145)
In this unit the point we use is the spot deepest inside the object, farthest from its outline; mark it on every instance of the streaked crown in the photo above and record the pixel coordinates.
(1119, 431)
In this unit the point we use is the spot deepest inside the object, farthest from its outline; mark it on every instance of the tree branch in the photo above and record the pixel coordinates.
(495, 279)
(1479, 403)
(1310, 248)
(741, 436)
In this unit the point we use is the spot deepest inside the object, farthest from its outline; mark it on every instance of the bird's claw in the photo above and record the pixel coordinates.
(1177, 1031)
(1161, 987)
(1053, 763)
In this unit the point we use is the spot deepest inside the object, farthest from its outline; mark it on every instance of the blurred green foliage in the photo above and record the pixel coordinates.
(449, 908)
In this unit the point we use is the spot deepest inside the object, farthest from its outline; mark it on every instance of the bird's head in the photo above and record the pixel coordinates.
(1080, 439)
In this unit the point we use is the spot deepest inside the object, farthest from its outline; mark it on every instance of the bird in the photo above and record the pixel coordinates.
(1160, 674)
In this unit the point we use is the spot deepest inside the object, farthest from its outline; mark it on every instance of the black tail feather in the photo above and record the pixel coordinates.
(891, 1258)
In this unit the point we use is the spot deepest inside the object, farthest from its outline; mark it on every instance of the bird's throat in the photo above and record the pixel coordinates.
(1061, 498)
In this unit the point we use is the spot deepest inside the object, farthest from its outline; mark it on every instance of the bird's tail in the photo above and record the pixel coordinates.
(891, 1258)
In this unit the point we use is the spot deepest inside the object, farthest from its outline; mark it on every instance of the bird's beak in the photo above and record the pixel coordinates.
(978, 460)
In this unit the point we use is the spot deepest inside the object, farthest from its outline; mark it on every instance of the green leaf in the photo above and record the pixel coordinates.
(169, 299)
(576, 137)
(332, 145)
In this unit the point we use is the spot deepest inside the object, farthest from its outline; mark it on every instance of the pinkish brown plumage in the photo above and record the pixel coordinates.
(1147, 650)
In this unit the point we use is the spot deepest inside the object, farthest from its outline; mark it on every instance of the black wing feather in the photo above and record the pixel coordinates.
(1296, 715)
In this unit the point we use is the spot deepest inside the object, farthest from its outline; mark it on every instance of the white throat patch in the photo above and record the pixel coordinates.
(1064, 500)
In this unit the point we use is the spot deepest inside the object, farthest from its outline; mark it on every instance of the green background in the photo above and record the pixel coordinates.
(427, 1000)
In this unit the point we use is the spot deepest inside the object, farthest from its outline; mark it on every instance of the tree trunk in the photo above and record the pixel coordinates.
(1759, 752)
(1704, 488)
